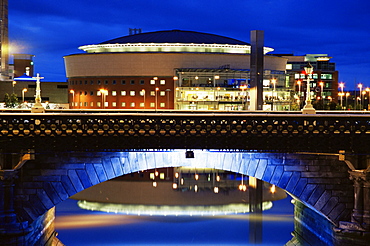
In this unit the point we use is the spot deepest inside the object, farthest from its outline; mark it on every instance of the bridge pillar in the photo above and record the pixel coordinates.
(361, 210)
(357, 231)
(10, 228)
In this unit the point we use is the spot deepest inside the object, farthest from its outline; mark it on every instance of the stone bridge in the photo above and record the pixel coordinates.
(320, 160)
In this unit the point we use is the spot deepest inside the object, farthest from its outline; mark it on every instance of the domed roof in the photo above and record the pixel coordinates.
(175, 36)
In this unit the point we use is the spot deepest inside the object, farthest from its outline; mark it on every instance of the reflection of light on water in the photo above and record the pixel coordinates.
(212, 210)
(271, 218)
(92, 220)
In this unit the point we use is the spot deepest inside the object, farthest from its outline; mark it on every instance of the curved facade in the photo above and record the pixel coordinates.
(143, 71)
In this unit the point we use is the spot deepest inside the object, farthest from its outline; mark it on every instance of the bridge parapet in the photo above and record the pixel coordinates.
(246, 132)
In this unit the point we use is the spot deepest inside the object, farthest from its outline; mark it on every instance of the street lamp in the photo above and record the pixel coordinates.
(103, 92)
(14, 83)
(360, 87)
(143, 93)
(341, 86)
(308, 108)
(244, 96)
(156, 98)
(273, 82)
(23, 91)
(299, 92)
(321, 83)
(73, 97)
(347, 95)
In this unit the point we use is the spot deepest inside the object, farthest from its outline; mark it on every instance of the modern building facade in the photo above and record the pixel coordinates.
(324, 83)
(173, 69)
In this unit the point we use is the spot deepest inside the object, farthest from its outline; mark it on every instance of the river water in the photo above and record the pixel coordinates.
(78, 227)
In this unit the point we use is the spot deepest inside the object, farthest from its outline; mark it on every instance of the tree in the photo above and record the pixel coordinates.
(11, 101)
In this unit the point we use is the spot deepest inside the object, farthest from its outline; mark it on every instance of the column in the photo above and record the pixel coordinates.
(361, 209)
(256, 70)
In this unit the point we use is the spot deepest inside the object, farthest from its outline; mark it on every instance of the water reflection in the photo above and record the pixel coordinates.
(81, 227)
(224, 216)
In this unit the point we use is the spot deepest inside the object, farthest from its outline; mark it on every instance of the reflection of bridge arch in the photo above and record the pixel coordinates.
(321, 182)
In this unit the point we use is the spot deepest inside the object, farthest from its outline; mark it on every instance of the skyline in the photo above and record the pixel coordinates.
(57, 29)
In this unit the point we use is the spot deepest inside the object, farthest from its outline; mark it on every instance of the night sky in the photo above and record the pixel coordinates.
(53, 29)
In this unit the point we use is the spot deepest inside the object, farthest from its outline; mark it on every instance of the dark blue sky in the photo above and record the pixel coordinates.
(53, 29)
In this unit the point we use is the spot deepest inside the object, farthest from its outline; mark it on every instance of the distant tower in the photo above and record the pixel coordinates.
(4, 41)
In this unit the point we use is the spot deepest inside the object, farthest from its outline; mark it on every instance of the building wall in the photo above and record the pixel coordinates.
(89, 73)
(156, 64)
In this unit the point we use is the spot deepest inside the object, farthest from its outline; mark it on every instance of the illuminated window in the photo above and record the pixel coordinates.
(114, 104)
(123, 104)
(132, 93)
(114, 93)
(123, 93)
(132, 105)
(161, 176)
(162, 105)
(142, 105)
(152, 105)
(296, 76)
(326, 76)
(162, 93)
(98, 93)
(98, 104)
(152, 176)
(91, 104)
(163, 82)
(106, 104)
(152, 82)
(152, 93)
(142, 93)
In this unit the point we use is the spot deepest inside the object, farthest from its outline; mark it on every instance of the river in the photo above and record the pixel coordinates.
(79, 227)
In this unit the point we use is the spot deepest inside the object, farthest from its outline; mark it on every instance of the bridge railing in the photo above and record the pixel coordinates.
(279, 132)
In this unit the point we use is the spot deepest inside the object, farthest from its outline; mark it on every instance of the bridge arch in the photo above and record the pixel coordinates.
(319, 181)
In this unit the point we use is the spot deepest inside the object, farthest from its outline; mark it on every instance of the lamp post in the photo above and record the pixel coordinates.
(103, 92)
(273, 82)
(347, 95)
(299, 92)
(73, 97)
(23, 91)
(341, 86)
(14, 83)
(244, 96)
(308, 108)
(143, 93)
(360, 87)
(156, 98)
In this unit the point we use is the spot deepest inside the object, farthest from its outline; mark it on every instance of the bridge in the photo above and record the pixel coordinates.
(320, 159)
